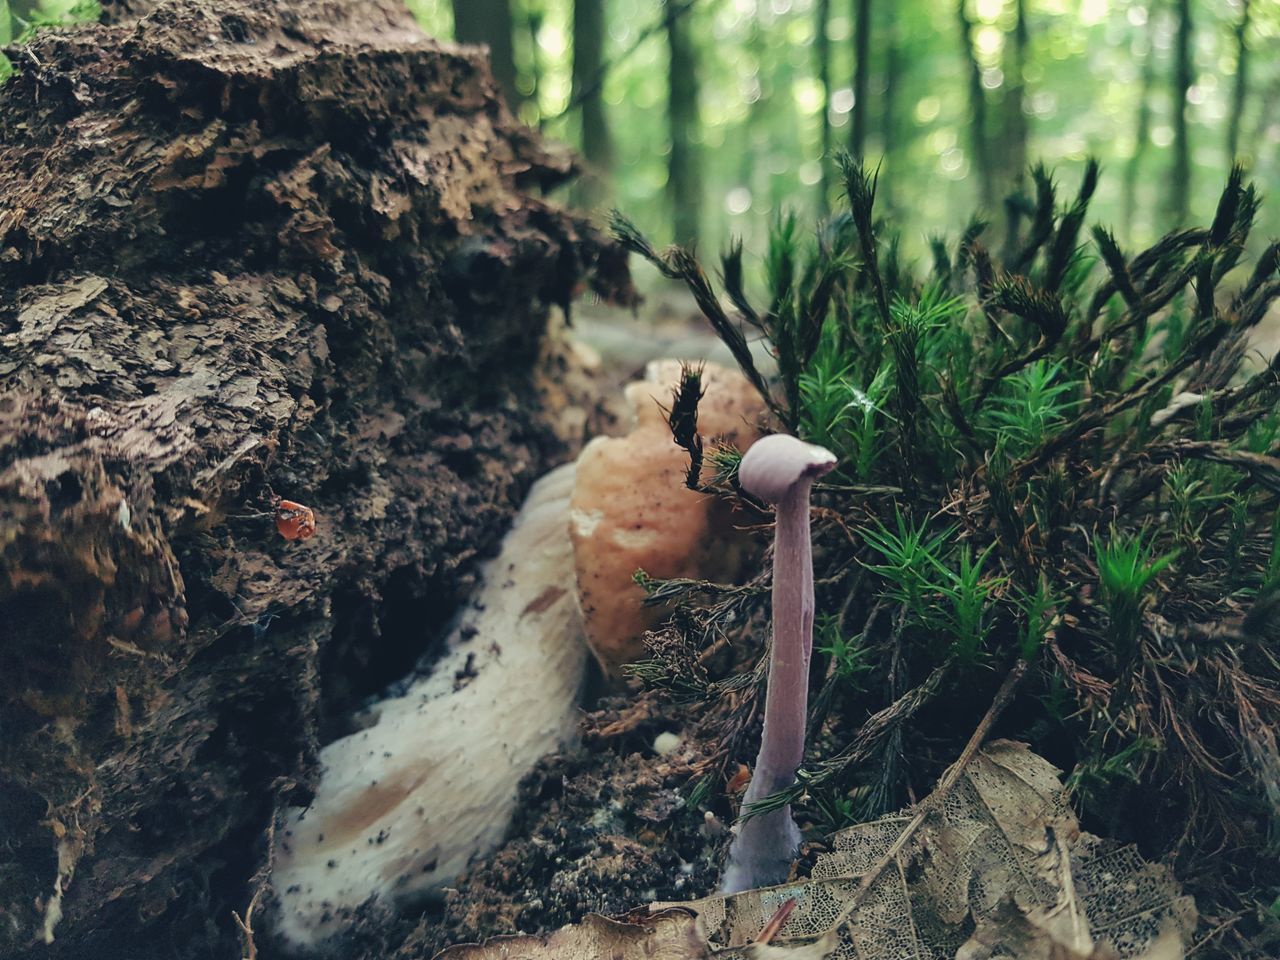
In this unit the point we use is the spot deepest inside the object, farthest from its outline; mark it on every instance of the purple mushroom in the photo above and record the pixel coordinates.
(780, 470)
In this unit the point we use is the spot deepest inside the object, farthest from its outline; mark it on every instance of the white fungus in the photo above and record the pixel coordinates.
(430, 782)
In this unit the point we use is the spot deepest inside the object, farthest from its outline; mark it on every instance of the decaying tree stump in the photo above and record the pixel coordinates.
(248, 248)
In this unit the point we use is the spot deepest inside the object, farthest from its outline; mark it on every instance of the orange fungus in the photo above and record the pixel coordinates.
(294, 521)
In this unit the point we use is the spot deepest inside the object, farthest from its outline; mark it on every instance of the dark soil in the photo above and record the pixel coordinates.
(601, 828)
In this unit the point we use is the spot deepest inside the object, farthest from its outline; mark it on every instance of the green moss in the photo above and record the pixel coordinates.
(1060, 454)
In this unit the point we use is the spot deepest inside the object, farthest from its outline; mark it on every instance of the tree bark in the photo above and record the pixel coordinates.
(684, 166)
(1183, 77)
(978, 142)
(861, 78)
(490, 22)
(1240, 91)
(588, 63)
(248, 249)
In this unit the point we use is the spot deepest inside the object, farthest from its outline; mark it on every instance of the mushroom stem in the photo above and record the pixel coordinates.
(787, 698)
(782, 471)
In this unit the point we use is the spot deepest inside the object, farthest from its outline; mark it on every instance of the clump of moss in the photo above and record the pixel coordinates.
(1060, 459)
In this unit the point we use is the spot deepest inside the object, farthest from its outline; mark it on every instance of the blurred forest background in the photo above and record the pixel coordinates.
(702, 119)
(705, 118)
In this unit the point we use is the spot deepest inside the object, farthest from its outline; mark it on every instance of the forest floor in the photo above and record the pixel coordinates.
(617, 821)
(604, 827)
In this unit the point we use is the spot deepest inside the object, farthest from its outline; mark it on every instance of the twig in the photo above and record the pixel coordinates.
(949, 779)
(245, 926)
(777, 922)
(1221, 928)
(260, 879)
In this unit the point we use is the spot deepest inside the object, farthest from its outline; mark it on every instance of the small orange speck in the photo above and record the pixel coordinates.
(294, 521)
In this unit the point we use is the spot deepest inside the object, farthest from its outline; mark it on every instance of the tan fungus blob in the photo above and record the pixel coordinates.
(631, 510)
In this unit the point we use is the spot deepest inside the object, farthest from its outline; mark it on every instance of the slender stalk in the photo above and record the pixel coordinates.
(684, 164)
(786, 702)
(893, 70)
(780, 469)
(767, 843)
(1015, 114)
(588, 63)
(978, 141)
(1141, 126)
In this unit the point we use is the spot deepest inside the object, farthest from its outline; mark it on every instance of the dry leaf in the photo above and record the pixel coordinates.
(993, 867)
(1000, 856)
(667, 935)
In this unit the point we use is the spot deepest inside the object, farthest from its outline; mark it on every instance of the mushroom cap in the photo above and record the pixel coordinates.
(776, 463)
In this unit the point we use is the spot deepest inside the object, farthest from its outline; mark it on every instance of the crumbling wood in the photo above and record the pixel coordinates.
(248, 249)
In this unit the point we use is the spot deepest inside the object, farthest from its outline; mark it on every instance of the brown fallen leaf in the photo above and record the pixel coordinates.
(991, 865)
(670, 934)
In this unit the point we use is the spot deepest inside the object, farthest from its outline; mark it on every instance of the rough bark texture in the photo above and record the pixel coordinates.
(246, 248)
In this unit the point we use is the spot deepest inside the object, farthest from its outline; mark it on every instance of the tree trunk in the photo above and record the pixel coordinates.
(251, 249)
(978, 142)
(531, 25)
(1142, 128)
(752, 173)
(1015, 118)
(1240, 91)
(490, 22)
(684, 165)
(888, 108)
(1183, 76)
(588, 66)
(861, 78)
(822, 58)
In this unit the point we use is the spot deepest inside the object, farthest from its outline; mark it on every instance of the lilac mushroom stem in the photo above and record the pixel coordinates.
(780, 469)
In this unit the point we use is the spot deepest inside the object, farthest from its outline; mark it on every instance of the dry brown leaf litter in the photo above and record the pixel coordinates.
(991, 865)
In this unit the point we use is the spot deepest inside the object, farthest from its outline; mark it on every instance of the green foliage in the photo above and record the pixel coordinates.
(1038, 608)
(912, 561)
(848, 656)
(1052, 456)
(969, 594)
(1100, 775)
(1126, 566)
(1088, 72)
(1030, 405)
(835, 810)
(837, 413)
(19, 22)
